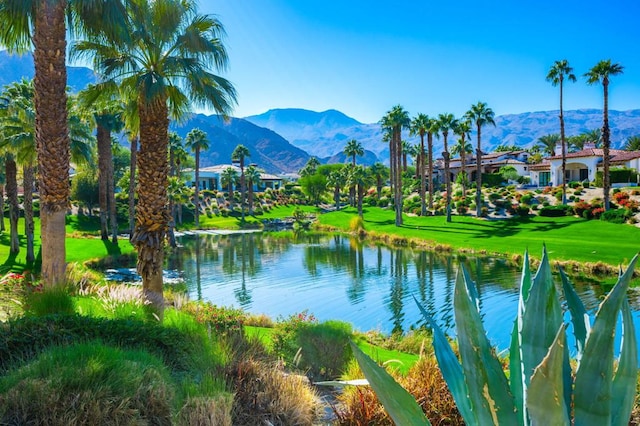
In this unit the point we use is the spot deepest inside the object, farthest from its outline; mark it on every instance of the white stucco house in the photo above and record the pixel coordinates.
(211, 178)
(491, 163)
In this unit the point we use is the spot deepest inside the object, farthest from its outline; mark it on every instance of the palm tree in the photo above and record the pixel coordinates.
(42, 24)
(432, 129)
(395, 120)
(228, 177)
(239, 154)
(633, 143)
(310, 167)
(197, 141)
(481, 114)
(359, 178)
(336, 180)
(176, 193)
(380, 172)
(462, 148)
(252, 177)
(352, 149)
(420, 126)
(164, 64)
(600, 73)
(548, 143)
(175, 153)
(557, 74)
(447, 122)
(107, 114)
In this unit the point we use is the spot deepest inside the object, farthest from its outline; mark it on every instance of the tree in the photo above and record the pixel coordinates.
(548, 143)
(164, 64)
(197, 141)
(359, 177)
(239, 154)
(84, 189)
(314, 186)
(600, 73)
(633, 143)
(337, 180)
(43, 25)
(380, 172)
(310, 167)
(395, 121)
(352, 149)
(482, 115)
(420, 127)
(560, 70)
(252, 177)
(462, 148)
(177, 193)
(228, 177)
(446, 122)
(433, 129)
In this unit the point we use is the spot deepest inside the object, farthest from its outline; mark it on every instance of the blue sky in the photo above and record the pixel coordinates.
(363, 57)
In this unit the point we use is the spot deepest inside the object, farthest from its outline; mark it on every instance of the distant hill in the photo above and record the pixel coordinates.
(269, 150)
(15, 67)
(367, 159)
(324, 136)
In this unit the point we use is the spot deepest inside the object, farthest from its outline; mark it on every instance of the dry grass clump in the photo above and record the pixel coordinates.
(360, 406)
(205, 411)
(259, 320)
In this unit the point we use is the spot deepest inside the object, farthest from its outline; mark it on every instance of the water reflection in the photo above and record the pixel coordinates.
(335, 277)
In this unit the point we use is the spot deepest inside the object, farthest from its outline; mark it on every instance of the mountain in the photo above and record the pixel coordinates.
(323, 135)
(15, 67)
(367, 159)
(269, 150)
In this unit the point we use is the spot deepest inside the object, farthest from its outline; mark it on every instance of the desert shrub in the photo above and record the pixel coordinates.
(41, 302)
(616, 216)
(383, 201)
(556, 211)
(484, 211)
(325, 349)
(574, 184)
(526, 198)
(285, 334)
(522, 210)
(88, 384)
(356, 224)
(580, 207)
(220, 319)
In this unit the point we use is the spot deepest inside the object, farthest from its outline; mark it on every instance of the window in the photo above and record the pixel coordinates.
(545, 177)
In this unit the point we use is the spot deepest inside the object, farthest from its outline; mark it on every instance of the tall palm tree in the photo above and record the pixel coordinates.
(433, 129)
(164, 64)
(310, 167)
(462, 148)
(600, 73)
(107, 114)
(447, 122)
(380, 172)
(197, 141)
(240, 153)
(252, 177)
(560, 70)
(633, 143)
(352, 149)
(548, 143)
(420, 126)
(396, 120)
(359, 177)
(175, 148)
(43, 25)
(337, 180)
(482, 115)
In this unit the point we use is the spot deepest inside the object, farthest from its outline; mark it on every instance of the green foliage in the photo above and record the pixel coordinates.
(88, 384)
(222, 320)
(616, 216)
(24, 338)
(618, 175)
(47, 301)
(509, 173)
(540, 387)
(84, 188)
(325, 349)
(313, 187)
(556, 211)
(492, 179)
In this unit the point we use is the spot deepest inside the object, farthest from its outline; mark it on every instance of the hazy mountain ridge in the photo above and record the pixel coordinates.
(522, 130)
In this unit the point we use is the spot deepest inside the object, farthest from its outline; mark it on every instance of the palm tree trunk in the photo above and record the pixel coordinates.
(463, 170)
(398, 177)
(196, 194)
(29, 227)
(52, 135)
(2, 228)
(447, 179)
(152, 215)
(103, 138)
(172, 226)
(250, 198)
(564, 149)
(360, 197)
(479, 176)
(133, 142)
(242, 189)
(606, 179)
(430, 154)
(14, 208)
(111, 198)
(423, 183)
(336, 197)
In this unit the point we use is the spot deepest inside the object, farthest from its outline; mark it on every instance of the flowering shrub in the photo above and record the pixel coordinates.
(285, 341)
(597, 212)
(221, 319)
(12, 281)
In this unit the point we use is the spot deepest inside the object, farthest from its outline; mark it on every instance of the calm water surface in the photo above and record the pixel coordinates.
(335, 277)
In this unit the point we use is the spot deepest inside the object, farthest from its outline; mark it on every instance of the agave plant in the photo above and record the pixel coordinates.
(541, 387)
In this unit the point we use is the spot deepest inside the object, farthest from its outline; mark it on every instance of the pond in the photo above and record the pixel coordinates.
(336, 277)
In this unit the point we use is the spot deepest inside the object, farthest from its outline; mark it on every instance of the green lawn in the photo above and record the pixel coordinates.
(566, 238)
(220, 222)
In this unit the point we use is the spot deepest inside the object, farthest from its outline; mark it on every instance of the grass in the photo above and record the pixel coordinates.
(566, 238)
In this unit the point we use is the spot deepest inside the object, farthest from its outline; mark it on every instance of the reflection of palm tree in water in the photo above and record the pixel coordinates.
(243, 296)
(198, 277)
(397, 291)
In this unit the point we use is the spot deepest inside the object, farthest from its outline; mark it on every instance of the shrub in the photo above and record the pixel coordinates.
(616, 216)
(88, 384)
(325, 349)
(222, 320)
(285, 334)
(526, 198)
(41, 302)
(556, 211)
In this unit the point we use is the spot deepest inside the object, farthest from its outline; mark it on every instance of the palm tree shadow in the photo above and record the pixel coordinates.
(113, 249)
(9, 264)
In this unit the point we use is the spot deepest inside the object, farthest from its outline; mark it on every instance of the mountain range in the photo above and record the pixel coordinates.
(282, 140)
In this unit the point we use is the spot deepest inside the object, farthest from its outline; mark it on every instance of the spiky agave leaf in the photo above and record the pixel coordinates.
(401, 406)
(579, 315)
(624, 382)
(487, 384)
(593, 385)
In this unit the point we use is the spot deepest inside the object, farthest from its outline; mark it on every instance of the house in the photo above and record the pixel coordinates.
(580, 165)
(491, 163)
(211, 178)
